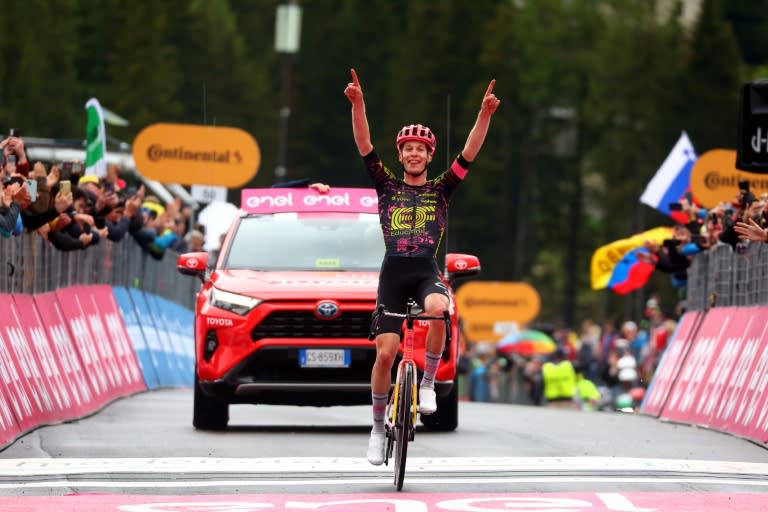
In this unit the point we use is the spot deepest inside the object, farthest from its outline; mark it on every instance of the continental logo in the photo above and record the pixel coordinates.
(496, 303)
(403, 218)
(715, 178)
(192, 154)
(157, 152)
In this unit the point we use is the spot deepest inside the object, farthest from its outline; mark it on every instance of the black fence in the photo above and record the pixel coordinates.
(30, 265)
(723, 276)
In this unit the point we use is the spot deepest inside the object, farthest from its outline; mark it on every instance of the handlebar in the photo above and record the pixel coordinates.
(409, 318)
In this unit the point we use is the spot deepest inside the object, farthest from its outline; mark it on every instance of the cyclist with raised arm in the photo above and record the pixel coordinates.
(413, 213)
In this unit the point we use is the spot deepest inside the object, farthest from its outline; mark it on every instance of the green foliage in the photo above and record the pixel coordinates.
(594, 95)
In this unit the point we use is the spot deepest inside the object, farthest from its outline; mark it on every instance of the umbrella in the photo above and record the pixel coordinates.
(527, 342)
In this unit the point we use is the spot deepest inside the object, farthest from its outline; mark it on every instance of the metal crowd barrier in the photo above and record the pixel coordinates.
(723, 276)
(31, 265)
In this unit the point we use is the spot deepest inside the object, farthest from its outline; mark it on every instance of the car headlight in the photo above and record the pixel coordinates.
(237, 304)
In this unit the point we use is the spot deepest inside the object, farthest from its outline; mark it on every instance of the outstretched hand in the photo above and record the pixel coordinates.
(353, 91)
(490, 101)
(751, 230)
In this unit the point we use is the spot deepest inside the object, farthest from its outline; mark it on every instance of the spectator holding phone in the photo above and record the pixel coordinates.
(14, 154)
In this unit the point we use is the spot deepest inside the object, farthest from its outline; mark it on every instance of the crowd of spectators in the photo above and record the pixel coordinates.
(615, 359)
(735, 223)
(620, 358)
(73, 210)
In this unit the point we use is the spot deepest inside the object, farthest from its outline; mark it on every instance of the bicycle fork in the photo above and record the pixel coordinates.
(394, 401)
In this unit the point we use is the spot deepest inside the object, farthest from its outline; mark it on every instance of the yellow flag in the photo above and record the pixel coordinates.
(606, 257)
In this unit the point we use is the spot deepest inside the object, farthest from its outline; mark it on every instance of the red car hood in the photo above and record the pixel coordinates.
(299, 285)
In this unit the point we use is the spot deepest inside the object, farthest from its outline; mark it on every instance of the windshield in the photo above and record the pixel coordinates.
(291, 241)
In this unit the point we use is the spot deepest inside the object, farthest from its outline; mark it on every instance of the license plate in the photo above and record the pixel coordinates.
(324, 358)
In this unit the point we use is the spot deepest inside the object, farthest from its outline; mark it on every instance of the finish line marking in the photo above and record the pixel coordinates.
(141, 484)
(32, 467)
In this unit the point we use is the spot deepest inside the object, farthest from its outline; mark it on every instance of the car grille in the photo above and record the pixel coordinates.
(281, 364)
(304, 324)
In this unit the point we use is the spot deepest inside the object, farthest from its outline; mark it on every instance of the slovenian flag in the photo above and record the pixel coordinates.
(672, 180)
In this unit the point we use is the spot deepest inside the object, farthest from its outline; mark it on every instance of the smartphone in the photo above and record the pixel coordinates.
(676, 206)
(65, 170)
(10, 164)
(32, 188)
(77, 168)
(65, 186)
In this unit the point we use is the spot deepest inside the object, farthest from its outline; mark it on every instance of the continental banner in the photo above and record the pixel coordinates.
(715, 178)
(196, 154)
(490, 308)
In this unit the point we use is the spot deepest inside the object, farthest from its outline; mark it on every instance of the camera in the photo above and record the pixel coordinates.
(669, 243)
(744, 185)
(676, 206)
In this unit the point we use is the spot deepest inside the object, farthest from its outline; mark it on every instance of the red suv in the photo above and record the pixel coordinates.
(284, 315)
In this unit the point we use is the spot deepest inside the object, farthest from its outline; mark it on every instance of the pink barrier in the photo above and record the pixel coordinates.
(99, 307)
(59, 383)
(670, 365)
(70, 363)
(30, 393)
(688, 387)
(9, 427)
(721, 381)
(63, 355)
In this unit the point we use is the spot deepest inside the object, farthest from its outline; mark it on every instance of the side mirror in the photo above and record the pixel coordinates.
(461, 265)
(193, 264)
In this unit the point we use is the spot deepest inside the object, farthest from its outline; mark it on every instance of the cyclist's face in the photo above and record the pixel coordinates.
(414, 157)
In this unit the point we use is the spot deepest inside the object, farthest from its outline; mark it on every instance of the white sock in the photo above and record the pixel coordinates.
(379, 409)
(431, 362)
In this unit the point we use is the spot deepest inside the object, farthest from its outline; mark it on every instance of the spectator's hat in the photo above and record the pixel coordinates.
(91, 178)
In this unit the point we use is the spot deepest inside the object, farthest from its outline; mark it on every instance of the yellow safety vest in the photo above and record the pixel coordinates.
(559, 380)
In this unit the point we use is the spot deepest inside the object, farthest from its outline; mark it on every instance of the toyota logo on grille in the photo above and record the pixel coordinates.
(327, 310)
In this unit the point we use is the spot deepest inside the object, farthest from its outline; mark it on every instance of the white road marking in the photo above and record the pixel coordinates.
(450, 481)
(315, 465)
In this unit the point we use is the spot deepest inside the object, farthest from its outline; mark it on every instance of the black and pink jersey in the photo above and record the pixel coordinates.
(412, 218)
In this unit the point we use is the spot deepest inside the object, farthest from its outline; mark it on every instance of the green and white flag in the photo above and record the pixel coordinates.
(96, 140)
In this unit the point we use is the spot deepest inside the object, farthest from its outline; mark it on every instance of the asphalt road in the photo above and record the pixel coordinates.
(145, 445)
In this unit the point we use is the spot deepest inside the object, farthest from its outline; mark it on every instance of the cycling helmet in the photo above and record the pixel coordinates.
(418, 133)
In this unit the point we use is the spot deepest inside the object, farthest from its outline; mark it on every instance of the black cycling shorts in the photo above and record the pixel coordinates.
(402, 278)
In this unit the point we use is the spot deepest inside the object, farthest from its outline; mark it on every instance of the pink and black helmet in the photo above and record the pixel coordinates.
(418, 133)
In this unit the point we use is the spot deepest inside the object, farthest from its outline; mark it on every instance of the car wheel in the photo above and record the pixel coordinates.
(208, 413)
(446, 418)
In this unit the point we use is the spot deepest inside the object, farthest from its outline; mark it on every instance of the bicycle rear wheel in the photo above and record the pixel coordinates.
(403, 424)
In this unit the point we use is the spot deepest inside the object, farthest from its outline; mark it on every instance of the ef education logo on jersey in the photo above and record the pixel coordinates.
(270, 200)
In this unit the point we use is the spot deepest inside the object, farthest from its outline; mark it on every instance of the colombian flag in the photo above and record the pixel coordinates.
(617, 265)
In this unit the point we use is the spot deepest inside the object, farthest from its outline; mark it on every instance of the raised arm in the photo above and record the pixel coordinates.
(362, 134)
(477, 135)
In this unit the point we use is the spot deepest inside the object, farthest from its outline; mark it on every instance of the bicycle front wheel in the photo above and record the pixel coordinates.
(403, 423)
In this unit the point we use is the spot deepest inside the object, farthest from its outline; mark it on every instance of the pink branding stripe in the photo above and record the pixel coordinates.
(279, 200)
(458, 170)
(380, 502)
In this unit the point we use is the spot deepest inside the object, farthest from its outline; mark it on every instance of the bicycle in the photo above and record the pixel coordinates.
(402, 407)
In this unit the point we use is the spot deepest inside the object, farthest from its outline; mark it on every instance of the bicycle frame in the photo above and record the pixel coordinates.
(406, 371)
(406, 364)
